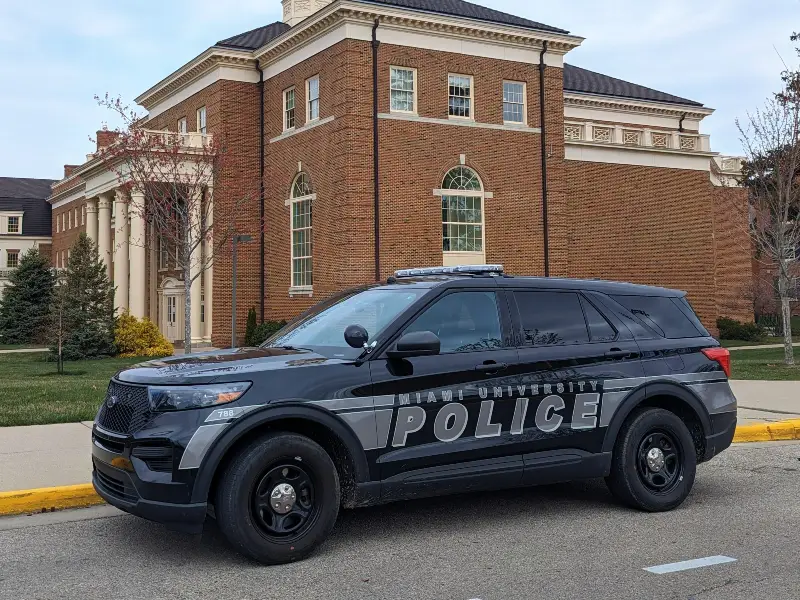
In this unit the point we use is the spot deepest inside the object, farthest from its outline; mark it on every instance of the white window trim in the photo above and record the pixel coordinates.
(183, 125)
(524, 103)
(471, 116)
(4, 217)
(202, 110)
(10, 253)
(285, 119)
(484, 196)
(416, 93)
(308, 101)
(298, 290)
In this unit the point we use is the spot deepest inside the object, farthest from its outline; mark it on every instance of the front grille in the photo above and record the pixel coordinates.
(114, 486)
(125, 409)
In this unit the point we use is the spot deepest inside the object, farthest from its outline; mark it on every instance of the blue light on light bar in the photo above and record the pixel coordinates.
(467, 269)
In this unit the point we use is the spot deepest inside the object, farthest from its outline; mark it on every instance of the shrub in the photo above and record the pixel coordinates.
(139, 338)
(731, 329)
(264, 331)
(251, 328)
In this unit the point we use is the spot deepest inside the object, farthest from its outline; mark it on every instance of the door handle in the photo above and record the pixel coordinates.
(491, 367)
(617, 353)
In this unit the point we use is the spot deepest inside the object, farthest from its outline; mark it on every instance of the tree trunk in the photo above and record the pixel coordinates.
(187, 310)
(786, 317)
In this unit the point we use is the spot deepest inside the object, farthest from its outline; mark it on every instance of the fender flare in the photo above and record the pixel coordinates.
(651, 390)
(269, 414)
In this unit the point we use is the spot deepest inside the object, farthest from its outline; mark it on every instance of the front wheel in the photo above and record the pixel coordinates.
(654, 461)
(279, 498)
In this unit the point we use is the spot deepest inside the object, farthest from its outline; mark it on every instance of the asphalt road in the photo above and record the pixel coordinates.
(567, 541)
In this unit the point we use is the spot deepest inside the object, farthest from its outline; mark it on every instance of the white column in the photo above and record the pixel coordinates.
(195, 264)
(121, 251)
(104, 230)
(208, 276)
(91, 219)
(138, 256)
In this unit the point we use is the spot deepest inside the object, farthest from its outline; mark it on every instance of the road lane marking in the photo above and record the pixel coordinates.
(685, 565)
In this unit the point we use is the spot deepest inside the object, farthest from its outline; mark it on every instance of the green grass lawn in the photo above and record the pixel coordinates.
(33, 393)
(766, 341)
(763, 364)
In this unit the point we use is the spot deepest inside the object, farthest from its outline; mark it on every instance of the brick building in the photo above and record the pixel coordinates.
(482, 146)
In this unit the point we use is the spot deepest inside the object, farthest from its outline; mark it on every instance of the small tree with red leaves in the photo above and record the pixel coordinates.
(170, 180)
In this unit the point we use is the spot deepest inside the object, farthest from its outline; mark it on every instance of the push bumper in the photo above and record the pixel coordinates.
(724, 427)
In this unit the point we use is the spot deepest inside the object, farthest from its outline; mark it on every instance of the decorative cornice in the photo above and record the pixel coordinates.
(210, 59)
(633, 105)
(354, 11)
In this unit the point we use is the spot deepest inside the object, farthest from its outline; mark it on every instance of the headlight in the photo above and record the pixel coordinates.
(195, 396)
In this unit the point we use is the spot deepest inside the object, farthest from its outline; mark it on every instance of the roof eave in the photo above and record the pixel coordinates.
(639, 102)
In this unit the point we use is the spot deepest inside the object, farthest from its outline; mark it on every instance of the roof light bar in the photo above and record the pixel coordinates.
(455, 270)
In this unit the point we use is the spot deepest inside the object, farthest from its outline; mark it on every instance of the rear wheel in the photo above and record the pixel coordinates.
(654, 461)
(279, 498)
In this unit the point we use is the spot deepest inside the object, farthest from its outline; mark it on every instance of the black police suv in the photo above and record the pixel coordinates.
(442, 380)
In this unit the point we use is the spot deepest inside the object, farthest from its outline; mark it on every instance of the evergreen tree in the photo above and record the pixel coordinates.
(250, 330)
(25, 306)
(87, 312)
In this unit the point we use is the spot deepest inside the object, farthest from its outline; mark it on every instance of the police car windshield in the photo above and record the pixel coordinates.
(373, 309)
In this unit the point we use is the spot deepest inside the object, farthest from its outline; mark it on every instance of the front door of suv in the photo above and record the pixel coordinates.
(444, 432)
(568, 352)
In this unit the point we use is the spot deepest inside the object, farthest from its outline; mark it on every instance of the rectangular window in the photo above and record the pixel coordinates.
(202, 308)
(460, 96)
(69, 219)
(514, 102)
(171, 309)
(58, 224)
(63, 221)
(12, 259)
(302, 268)
(83, 214)
(662, 314)
(183, 127)
(13, 224)
(312, 95)
(163, 255)
(201, 120)
(462, 224)
(403, 90)
(551, 318)
(288, 109)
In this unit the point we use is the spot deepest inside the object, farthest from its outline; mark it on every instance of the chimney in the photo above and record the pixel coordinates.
(295, 11)
(105, 138)
(69, 170)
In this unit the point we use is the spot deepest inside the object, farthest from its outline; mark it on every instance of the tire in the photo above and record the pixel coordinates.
(244, 506)
(633, 480)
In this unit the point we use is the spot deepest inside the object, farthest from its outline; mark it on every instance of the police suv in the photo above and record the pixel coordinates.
(442, 380)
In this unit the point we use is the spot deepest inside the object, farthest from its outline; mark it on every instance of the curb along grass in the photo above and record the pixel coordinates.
(79, 496)
(48, 499)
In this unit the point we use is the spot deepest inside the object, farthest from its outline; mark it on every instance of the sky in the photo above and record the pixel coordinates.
(56, 55)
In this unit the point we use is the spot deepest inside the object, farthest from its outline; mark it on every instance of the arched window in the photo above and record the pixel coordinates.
(462, 212)
(300, 202)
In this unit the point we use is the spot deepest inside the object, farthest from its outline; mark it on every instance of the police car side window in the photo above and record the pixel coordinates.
(464, 322)
(551, 318)
(600, 330)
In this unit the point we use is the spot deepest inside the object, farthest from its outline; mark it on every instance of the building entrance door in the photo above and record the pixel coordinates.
(171, 309)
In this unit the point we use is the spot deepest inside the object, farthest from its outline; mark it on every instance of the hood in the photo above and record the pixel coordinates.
(239, 364)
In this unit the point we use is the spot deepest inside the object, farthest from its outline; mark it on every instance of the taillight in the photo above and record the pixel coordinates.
(722, 356)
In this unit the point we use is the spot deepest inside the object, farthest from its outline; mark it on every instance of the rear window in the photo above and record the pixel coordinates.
(662, 314)
(551, 318)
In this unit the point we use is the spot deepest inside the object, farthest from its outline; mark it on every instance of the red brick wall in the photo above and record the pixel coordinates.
(66, 238)
(733, 250)
(657, 226)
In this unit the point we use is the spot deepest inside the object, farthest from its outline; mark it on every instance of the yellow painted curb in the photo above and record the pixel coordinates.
(768, 432)
(46, 499)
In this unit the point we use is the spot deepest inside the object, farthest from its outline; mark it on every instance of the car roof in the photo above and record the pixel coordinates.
(549, 283)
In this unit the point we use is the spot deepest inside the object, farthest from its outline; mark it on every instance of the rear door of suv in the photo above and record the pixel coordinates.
(568, 352)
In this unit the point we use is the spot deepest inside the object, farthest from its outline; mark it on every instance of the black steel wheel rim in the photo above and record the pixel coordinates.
(274, 524)
(659, 480)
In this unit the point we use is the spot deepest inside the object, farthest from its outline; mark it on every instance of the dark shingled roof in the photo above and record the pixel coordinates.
(30, 196)
(589, 82)
(255, 38)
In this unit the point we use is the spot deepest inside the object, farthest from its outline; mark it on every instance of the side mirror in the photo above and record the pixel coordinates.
(356, 336)
(417, 343)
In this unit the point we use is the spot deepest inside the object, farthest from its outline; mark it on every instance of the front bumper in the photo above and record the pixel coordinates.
(127, 482)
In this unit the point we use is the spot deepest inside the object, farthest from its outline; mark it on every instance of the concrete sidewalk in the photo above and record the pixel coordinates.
(54, 455)
(761, 347)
